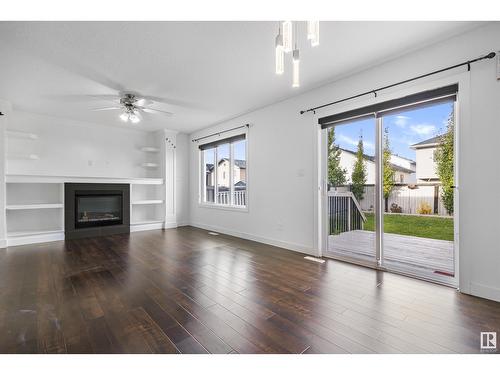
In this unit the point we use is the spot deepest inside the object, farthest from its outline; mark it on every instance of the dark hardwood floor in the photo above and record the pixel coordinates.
(185, 291)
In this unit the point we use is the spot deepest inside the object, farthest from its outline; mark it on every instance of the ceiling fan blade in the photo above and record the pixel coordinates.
(105, 109)
(154, 111)
(170, 101)
(143, 101)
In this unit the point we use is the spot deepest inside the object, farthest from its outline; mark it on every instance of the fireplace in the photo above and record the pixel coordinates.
(96, 209)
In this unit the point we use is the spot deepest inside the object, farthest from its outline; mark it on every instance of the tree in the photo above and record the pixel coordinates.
(444, 164)
(388, 170)
(358, 176)
(336, 174)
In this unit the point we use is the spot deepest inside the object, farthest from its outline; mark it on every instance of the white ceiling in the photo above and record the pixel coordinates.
(212, 71)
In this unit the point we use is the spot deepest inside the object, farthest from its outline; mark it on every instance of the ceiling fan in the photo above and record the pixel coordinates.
(132, 106)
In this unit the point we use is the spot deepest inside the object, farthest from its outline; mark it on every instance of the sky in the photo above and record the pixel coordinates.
(405, 128)
(223, 152)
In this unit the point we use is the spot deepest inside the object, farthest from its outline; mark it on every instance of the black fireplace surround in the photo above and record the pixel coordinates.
(92, 210)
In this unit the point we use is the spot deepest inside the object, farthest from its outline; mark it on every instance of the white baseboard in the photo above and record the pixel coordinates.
(3, 244)
(485, 291)
(35, 238)
(143, 227)
(169, 225)
(268, 241)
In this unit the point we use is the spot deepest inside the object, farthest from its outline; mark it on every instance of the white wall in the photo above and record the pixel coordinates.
(426, 167)
(70, 148)
(282, 200)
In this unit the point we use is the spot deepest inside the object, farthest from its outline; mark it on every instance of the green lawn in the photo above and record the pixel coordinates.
(419, 226)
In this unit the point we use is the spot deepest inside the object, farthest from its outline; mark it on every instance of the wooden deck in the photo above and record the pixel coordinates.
(424, 256)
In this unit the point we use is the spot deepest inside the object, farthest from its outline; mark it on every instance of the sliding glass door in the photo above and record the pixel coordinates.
(351, 173)
(390, 198)
(418, 191)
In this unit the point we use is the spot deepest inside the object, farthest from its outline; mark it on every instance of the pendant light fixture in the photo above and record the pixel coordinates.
(287, 36)
(295, 67)
(313, 32)
(280, 54)
(288, 42)
(295, 64)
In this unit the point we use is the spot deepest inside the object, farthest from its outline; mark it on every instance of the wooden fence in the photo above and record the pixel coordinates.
(408, 197)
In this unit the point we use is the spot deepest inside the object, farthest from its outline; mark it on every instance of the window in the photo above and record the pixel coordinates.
(224, 172)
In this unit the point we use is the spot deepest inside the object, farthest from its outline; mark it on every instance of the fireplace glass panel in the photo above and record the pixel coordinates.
(97, 210)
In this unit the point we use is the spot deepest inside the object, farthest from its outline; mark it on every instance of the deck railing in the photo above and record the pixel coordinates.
(344, 212)
(224, 197)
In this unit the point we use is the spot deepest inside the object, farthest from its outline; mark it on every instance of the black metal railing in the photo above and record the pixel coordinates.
(344, 213)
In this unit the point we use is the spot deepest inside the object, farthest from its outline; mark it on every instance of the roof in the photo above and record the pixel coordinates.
(434, 141)
(372, 159)
(242, 164)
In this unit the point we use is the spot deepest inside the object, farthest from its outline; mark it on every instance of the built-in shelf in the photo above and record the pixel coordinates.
(148, 201)
(11, 178)
(150, 149)
(149, 165)
(144, 222)
(23, 156)
(33, 206)
(20, 134)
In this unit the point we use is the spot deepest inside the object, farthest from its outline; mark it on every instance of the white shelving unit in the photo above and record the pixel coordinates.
(150, 149)
(150, 165)
(33, 206)
(34, 212)
(147, 207)
(148, 201)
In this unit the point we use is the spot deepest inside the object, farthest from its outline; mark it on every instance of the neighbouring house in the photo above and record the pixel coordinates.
(223, 175)
(404, 168)
(426, 162)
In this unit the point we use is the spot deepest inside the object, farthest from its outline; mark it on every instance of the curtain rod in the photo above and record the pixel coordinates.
(374, 91)
(219, 133)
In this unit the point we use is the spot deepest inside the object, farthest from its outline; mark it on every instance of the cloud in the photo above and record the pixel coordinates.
(342, 138)
(423, 129)
(401, 121)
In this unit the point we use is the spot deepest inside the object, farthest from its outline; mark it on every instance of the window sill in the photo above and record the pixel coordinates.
(224, 207)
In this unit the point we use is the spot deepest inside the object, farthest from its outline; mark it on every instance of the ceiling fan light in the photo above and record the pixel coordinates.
(124, 117)
(134, 118)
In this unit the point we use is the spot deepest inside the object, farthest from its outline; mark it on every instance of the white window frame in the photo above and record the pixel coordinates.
(202, 186)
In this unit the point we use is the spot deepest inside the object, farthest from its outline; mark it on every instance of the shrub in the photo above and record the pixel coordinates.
(424, 208)
(395, 209)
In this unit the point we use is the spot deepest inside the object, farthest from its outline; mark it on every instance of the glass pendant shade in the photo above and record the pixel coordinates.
(280, 55)
(287, 36)
(295, 67)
